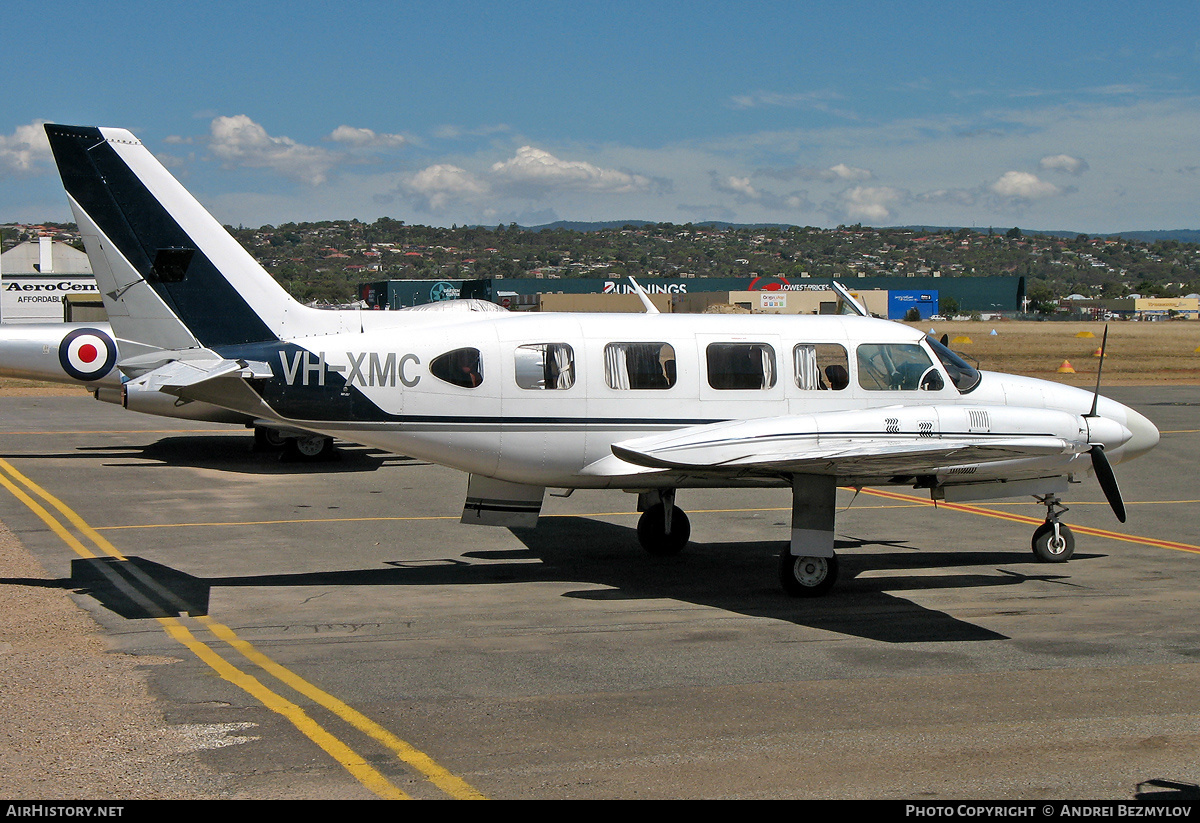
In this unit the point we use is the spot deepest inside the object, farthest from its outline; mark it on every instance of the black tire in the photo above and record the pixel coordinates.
(267, 439)
(807, 576)
(308, 449)
(652, 537)
(1049, 550)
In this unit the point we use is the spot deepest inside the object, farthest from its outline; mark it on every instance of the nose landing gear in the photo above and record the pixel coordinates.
(1053, 541)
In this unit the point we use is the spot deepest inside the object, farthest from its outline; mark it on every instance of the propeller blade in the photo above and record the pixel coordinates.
(1108, 481)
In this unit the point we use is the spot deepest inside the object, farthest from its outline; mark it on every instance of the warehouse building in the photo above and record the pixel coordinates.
(986, 295)
(37, 277)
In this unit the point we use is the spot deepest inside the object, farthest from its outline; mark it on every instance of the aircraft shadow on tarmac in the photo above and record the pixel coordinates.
(737, 577)
(235, 453)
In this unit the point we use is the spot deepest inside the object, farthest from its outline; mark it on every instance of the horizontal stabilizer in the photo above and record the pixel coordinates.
(178, 375)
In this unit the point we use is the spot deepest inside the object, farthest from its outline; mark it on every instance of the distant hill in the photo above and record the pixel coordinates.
(1181, 235)
(573, 225)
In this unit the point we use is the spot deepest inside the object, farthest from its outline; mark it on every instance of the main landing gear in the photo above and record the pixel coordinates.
(808, 566)
(1053, 541)
(664, 528)
(309, 448)
(806, 576)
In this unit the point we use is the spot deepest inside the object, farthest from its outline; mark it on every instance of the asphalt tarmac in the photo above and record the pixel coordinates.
(331, 631)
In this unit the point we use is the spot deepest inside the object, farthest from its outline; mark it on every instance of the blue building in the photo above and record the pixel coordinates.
(900, 302)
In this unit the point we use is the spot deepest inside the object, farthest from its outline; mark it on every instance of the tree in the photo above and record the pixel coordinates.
(947, 306)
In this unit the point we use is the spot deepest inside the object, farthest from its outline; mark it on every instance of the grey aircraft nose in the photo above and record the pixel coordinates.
(1144, 436)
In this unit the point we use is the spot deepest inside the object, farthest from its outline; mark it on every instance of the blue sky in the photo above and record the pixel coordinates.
(1069, 116)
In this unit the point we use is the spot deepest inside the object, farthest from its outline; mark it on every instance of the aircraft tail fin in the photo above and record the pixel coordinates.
(170, 275)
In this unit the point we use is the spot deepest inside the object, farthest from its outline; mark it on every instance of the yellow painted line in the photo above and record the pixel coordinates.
(127, 431)
(47, 518)
(77, 521)
(452, 785)
(339, 751)
(343, 754)
(903, 503)
(1020, 518)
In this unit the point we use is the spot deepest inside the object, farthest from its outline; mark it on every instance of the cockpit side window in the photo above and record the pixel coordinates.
(821, 366)
(897, 367)
(639, 365)
(740, 365)
(963, 375)
(461, 367)
(545, 366)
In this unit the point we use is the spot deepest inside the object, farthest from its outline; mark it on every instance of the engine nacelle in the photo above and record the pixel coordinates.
(165, 405)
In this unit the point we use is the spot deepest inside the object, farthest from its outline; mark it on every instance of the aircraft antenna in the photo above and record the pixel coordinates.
(1099, 370)
(645, 298)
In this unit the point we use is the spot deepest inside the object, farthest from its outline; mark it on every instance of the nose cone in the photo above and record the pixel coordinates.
(1143, 436)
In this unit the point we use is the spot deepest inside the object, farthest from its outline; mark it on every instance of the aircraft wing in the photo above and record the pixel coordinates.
(869, 443)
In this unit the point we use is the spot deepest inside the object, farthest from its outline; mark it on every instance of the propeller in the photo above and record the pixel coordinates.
(1108, 480)
(1100, 464)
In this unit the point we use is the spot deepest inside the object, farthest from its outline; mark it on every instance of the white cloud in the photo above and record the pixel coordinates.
(874, 204)
(1024, 186)
(239, 141)
(438, 185)
(535, 168)
(843, 172)
(366, 138)
(744, 192)
(1064, 163)
(739, 186)
(24, 149)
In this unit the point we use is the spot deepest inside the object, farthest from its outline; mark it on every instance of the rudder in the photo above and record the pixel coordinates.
(170, 275)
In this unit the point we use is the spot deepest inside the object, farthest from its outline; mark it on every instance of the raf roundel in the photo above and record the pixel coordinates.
(87, 354)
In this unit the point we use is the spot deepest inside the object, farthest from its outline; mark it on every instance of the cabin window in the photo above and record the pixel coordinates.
(821, 366)
(639, 365)
(545, 366)
(462, 367)
(741, 366)
(897, 367)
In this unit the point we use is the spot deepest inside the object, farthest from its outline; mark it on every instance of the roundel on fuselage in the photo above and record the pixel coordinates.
(87, 354)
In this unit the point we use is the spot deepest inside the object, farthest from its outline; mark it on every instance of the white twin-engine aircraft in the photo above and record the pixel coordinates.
(648, 403)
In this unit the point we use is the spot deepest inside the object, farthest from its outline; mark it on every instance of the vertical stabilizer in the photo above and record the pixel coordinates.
(170, 275)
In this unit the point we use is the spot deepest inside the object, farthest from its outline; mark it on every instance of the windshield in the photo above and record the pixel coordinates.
(964, 376)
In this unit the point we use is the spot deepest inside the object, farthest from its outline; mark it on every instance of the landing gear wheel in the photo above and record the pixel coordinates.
(654, 537)
(807, 576)
(308, 449)
(267, 439)
(1051, 548)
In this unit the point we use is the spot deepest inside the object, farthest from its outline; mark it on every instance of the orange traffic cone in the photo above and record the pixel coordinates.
(1066, 368)
(1098, 352)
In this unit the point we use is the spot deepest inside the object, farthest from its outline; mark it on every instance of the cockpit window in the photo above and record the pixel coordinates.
(897, 367)
(462, 367)
(963, 375)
